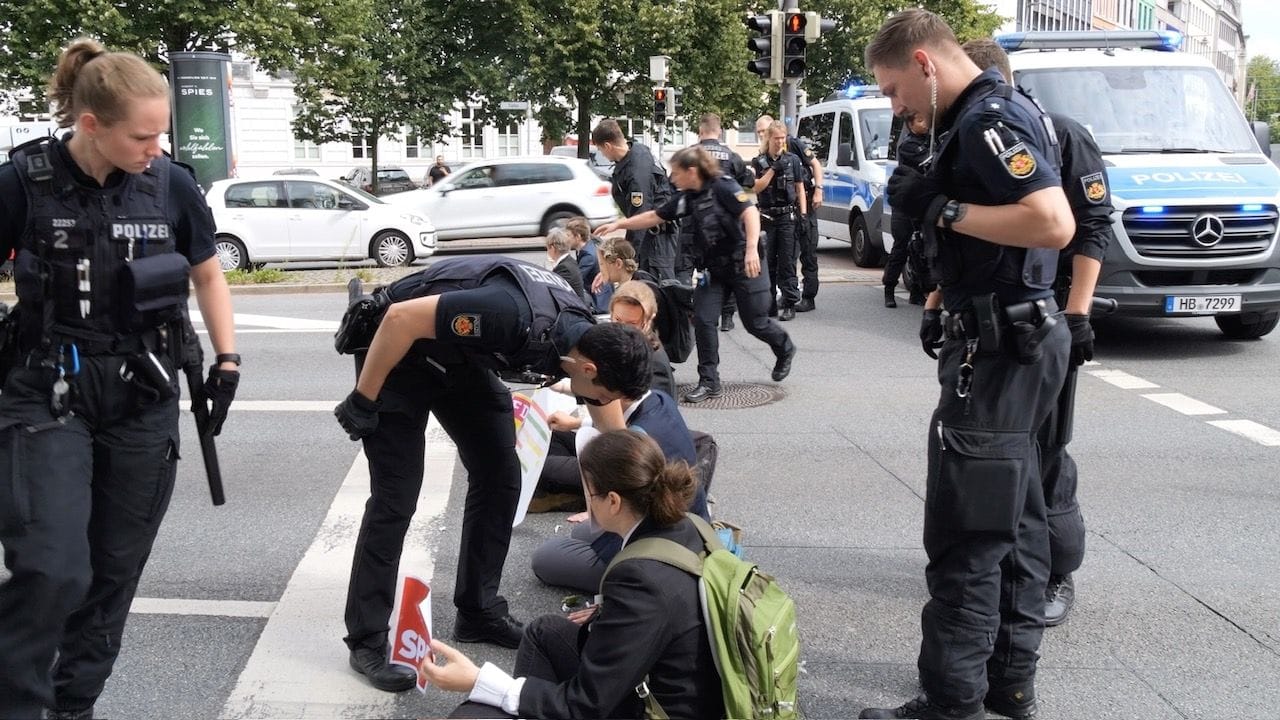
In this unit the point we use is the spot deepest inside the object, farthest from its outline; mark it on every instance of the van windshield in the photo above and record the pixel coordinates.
(875, 132)
(1140, 109)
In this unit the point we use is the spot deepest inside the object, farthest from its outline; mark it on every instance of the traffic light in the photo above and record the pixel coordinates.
(660, 106)
(794, 43)
(767, 45)
(675, 102)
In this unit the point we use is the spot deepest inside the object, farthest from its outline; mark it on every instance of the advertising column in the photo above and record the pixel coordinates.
(202, 113)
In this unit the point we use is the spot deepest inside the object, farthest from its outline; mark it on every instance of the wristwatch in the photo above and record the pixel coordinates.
(951, 212)
(227, 357)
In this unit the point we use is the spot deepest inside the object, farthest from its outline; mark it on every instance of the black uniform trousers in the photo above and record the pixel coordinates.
(658, 253)
(780, 227)
(752, 295)
(903, 227)
(807, 240)
(80, 506)
(984, 523)
(1060, 479)
(474, 407)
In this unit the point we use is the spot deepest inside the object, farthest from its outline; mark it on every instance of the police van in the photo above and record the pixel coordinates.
(1194, 190)
(849, 134)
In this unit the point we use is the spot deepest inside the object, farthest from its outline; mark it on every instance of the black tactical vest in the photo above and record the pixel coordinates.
(548, 295)
(718, 232)
(72, 260)
(782, 191)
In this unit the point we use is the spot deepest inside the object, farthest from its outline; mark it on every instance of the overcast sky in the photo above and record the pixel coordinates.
(1261, 20)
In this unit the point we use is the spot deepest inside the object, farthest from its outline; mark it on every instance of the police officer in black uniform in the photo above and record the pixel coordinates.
(1084, 178)
(640, 185)
(995, 215)
(780, 187)
(912, 150)
(807, 229)
(107, 232)
(731, 166)
(728, 230)
(433, 342)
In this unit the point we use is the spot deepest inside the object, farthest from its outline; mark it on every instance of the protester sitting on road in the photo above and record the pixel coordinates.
(587, 246)
(618, 264)
(561, 261)
(648, 630)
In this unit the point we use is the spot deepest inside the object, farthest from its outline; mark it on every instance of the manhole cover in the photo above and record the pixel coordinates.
(736, 396)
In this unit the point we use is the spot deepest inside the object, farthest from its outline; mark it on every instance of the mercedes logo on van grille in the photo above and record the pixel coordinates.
(1207, 230)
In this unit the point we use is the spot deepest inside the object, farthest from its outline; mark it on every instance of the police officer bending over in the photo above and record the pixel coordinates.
(108, 233)
(780, 188)
(442, 335)
(995, 215)
(727, 233)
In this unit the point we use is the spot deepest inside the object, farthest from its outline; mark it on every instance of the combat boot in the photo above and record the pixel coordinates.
(1059, 596)
(922, 709)
(889, 300)
(726, 323)
(1017, 702)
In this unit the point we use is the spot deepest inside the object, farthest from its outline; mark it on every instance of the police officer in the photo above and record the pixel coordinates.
(1084, 179)
(807, 232)
(995, 215)
(913, 149)
(441, 337)
(639, 185)
(732, 166)
(728, 230)
(780, 187)
(107, 232)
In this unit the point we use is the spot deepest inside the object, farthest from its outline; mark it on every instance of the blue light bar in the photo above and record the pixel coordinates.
(854, 91)
(1162, 40)
(1152, 209)
(1251, 207)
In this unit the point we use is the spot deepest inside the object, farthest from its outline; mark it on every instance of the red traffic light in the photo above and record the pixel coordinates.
(795, 22)
(660, 95)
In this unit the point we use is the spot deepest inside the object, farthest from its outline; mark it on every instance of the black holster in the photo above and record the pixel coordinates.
(1031, 323)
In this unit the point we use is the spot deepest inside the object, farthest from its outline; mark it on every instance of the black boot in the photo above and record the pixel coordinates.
(922, 709)
(1016, 702)
(1059, 595)
(889, 300)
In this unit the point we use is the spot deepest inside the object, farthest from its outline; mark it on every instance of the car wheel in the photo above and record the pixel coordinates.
(554, 218)
(391, 249)
(1247, 326)
(865, 253)
(231, 253)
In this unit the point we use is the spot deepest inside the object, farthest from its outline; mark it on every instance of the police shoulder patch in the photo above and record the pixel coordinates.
(808, 152)
(1095, 187)
(637, 199)
(740, 197)
(465, 325)
(1019, 161)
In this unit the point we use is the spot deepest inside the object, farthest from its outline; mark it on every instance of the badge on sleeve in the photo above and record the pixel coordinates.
(808, 152)
(1018, 161)
(740, 197)
(466, 325)
(637, 199)
(1095, 187)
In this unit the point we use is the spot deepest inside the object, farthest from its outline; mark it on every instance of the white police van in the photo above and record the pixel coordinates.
(1194, 191)
(849, 134)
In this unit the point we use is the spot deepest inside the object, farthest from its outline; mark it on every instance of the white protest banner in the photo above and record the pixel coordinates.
(533, 438)
(411, 633)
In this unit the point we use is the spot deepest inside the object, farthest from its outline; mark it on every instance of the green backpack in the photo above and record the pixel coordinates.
(751, 622)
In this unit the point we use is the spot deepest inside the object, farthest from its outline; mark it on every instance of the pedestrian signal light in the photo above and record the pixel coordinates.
(766, 43)
(794, 42)
(659, 105)
(675, 102)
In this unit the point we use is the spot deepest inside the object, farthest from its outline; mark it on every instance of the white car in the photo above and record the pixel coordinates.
(301, 218)
(511, 197)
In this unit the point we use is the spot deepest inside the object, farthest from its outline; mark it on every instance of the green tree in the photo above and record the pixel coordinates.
(711, 67)
(1263, 78)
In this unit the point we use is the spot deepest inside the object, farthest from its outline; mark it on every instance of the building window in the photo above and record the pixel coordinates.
(472, 135)
(361, 147)
(305, 150)
(508, 140)
(412, 146)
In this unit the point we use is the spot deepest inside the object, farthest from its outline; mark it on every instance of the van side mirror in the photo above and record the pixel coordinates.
(1262, 132)
(844, 155)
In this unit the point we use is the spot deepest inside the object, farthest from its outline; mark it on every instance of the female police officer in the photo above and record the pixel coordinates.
(728, 230)
(101, 221)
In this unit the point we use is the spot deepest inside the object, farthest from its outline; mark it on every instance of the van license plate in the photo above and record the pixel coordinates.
(1201, 304)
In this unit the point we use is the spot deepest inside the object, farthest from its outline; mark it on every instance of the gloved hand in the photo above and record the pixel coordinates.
(779, 165)
(931, 332)
(358, 415)
(220, 389)
(1081, 338)
(913, 192)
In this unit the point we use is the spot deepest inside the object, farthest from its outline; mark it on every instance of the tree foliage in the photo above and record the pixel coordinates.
(1263, 77)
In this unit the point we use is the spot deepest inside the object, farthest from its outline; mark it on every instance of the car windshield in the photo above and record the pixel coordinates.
(364, 195)
(875, 132)
(1145, 109)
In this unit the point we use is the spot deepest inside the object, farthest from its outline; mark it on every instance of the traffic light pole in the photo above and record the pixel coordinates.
(787, 94)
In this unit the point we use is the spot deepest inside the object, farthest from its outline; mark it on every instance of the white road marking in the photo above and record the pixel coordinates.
(218, 608)
(285, 405)
(1121, 379)
(274, 331)
(277, 322)
(299, 666)
(1183, 404)
(1260, 434)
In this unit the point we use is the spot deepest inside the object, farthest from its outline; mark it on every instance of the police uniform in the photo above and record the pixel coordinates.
(494, 314)
(807, 232)
(984, 525)
(732, 166)
(88, 440)
(721, 241)
(639, 185)
(912, 151)
(779, 212)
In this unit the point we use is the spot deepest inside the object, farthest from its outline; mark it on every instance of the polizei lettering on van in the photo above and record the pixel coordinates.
(1188, 176)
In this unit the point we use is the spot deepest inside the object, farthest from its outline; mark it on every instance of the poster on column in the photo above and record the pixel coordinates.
(201, 113)
(533, 438)
(411, 634)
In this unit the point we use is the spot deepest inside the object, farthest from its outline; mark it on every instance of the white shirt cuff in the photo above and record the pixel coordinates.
(497, 688)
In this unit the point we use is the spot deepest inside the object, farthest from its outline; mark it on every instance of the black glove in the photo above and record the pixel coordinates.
(931, 332)
(358, 415)
(913, 192)
(779, 165)
(1081, 338)
(220, 390)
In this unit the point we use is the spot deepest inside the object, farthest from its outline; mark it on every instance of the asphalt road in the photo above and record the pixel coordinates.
(240, 609)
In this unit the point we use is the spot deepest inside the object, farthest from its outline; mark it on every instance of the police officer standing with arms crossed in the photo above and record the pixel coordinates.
(995, 213)
(101, 222)
(1084, 178)
(807, 231)
(727, 233)
(780, 187)
(639, 185)
(731, 166)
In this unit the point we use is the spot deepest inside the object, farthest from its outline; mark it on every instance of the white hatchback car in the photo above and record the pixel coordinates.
(307, 218)
(511, 197)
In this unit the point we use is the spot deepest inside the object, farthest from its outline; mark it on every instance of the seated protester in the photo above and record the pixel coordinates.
(559, 485)
(618, 264)
(648, 628)
(561, 261)
(587, 247)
